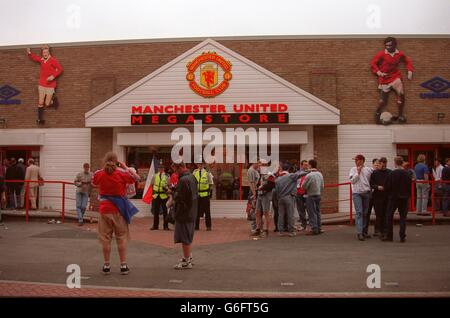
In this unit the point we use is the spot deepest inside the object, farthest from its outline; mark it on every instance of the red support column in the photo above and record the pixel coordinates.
(240, 181)
(351, 204)
(433, 212)
(27, 199)
(63, 200)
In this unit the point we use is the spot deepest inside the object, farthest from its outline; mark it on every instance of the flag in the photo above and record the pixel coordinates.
(148, 190)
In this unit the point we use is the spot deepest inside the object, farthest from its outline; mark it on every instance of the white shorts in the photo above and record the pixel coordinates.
(46, 90)
(396, 85)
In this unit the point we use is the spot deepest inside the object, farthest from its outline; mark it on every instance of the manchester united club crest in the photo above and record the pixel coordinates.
(209, 74)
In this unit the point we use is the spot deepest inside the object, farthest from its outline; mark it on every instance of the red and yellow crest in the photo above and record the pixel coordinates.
(208, 68)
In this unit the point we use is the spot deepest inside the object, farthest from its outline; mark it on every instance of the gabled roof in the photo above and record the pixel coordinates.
(331, 110)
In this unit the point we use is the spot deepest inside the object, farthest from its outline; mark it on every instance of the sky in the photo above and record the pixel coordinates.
(28, 22)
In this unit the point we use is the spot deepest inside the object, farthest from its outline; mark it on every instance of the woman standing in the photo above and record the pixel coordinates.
(114, 207)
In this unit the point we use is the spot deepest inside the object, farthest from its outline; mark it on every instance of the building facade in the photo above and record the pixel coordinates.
(319, 92)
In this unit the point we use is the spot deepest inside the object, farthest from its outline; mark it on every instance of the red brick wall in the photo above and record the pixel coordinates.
(326, 154)
(336, 70)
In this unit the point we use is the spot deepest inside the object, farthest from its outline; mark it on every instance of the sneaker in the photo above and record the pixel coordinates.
(256, 233)
(361, 237)
(124, 269)
(367, 236)
(292, 234)
(106, 269)
(183, 264)
(190, 259)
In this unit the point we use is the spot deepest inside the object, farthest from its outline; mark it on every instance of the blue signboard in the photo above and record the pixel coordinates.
(6, 93)
(438, 86)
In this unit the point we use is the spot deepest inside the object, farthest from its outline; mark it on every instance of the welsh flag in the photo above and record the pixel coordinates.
(148, 190)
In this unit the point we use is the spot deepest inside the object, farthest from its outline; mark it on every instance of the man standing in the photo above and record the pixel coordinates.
(2, 191)
(438, 186)
(285, 188)
(446, 186)
(314, 186)
(253, 180)
(301, 199)
(83, 182)
(360, 180)
(398, 188)
(375, 166)
(21, 165)
(50, 70)
(160, 184)
(186, 205)
(3, 196)
(14, 172)
(32, 173)
(385, 66)
(379, 196)
(422, 186)
(205, 184)
(263, 200)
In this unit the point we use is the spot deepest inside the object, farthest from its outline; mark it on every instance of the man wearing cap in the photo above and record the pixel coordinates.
(205, 183)
(160, 184)
(360, 179)
(379, 196)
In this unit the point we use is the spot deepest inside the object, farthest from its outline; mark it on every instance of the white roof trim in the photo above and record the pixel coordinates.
(228, 51)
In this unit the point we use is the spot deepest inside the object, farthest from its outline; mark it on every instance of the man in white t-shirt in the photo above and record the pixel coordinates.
(360, 179)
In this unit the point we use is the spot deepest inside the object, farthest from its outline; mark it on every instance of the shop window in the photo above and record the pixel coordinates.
(230, 179)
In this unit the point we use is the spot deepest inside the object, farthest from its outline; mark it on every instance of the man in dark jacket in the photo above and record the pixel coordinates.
(446, 186)
(379, 196)
(2, 190)
(186, 204)
(14, 172)
(398, 189)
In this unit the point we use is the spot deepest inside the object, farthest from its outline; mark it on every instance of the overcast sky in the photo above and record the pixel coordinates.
(26, 22)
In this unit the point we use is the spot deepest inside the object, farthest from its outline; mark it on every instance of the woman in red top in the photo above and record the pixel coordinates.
(50, 70)
(113, 181)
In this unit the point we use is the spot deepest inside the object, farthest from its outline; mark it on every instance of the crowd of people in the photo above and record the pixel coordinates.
(13, 193)
(388, 190)
(183, 197)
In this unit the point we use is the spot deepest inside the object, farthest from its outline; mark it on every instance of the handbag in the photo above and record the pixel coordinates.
(171, 215)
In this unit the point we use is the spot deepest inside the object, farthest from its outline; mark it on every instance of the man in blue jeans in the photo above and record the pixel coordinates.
(360, 180)
(314, 186)
(83, 182)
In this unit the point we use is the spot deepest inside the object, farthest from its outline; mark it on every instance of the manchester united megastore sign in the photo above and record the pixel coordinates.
(216, 85)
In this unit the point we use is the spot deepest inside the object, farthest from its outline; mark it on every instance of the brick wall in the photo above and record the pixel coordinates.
(336, 70)
(326, 154)
(101, 143)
